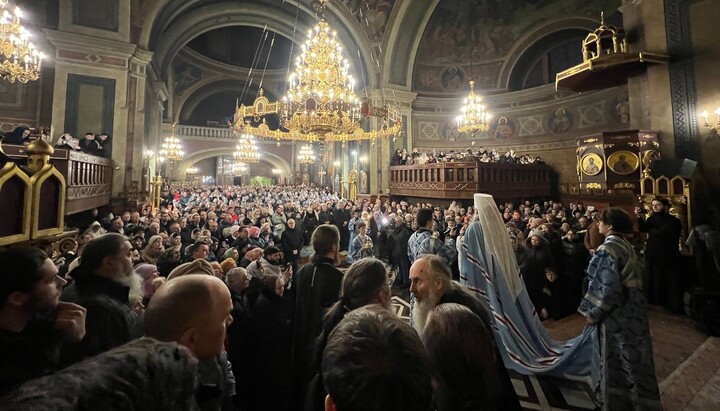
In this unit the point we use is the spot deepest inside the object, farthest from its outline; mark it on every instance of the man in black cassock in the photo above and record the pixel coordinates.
(311, 292)
(662, 255)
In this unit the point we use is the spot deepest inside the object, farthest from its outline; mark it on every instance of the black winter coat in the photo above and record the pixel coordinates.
(291, 241)
(109, 322)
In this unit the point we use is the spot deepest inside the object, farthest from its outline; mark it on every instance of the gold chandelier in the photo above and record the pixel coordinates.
(171, 148)
(320, 104)
(246, 150)
(20, 59)
(306, 155)
(239, 168)
(473, 117)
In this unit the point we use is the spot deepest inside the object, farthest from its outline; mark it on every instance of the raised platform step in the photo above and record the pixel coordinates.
(695, 384)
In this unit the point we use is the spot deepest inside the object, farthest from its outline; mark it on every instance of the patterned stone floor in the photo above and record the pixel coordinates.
(687, 364)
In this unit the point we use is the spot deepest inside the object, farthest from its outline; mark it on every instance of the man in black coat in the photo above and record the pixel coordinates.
(89, 145)
(400, 237)
(33, 323)
(341, 217)
(662, 255)
(291, 242)
(312, 290)
(102, 285)
(310, 221)
(143, 375)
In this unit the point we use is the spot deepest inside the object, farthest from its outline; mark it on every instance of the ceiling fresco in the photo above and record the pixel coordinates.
(482, 32)
(373, 15)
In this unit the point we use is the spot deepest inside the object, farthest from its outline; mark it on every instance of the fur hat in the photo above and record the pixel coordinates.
(227, 265)
(198, 266)
(253, 231)
(537, 233)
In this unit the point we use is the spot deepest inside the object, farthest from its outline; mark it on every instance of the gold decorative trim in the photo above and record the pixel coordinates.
(624, 185)
(37, 180)
(7, 172)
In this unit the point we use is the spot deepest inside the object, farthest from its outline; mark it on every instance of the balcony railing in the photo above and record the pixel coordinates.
(88, 178)
(184, 131)
(462, 180)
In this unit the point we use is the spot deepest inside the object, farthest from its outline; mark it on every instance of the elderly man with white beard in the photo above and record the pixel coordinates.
(431, 283)
(104, 281)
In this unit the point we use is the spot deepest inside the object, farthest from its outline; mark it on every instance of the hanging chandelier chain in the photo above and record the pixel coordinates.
(256, 57)
(262, 78)
(292, 43)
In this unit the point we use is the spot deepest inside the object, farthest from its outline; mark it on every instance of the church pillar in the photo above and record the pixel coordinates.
(664, 97)
(99, 81)
(157, 96)
(384, 148)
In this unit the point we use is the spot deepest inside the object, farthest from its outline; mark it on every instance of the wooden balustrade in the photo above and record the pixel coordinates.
(462, 180)
(88, 178)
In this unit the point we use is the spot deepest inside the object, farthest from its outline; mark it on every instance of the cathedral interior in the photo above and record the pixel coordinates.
(618, 99)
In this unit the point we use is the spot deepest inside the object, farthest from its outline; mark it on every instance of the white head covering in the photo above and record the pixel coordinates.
(497, 241)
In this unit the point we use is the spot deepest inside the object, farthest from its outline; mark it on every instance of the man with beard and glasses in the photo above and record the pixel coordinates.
(431, 283)
(33, 322)
(104, 279)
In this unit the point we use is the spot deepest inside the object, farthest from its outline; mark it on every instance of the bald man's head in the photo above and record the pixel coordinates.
(192, 310)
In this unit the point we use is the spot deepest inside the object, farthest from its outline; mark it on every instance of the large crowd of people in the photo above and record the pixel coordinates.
(299, 336)
(401, 157)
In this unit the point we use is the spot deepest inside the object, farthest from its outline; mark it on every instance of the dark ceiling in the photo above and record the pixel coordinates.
(237, 45)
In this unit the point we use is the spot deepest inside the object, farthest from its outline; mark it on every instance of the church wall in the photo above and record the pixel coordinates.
(704, 16)
(19, 105)
(108, 19)
(534, 121)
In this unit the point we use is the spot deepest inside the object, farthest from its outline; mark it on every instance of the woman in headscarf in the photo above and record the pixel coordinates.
(20, 135)
(153, 250)
(94, 230)
(151, 280)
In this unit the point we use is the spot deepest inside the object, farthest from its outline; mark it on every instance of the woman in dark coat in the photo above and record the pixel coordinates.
(539, 257)
(20, 135)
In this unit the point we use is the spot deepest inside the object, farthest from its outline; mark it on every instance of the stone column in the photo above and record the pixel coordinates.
(663, 98)
(92, 77)
(380, 154)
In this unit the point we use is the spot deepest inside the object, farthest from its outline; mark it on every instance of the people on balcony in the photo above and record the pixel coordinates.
(90, 145)
(400, 157)
(20, 135)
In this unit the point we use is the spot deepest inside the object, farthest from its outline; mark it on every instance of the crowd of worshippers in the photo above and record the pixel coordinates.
(401, 157)
(241, 337)
(203, 303)
(91, 143)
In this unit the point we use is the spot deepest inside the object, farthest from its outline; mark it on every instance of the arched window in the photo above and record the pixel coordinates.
(552, 54)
